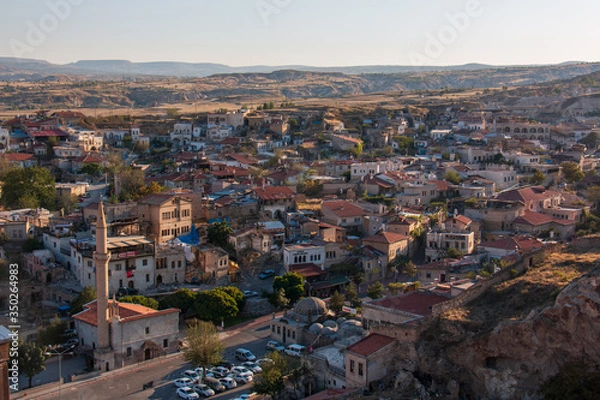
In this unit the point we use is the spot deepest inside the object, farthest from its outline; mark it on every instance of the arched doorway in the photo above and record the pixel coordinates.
(147, 354)
(159, 280)
(283, 331)
(130, 284)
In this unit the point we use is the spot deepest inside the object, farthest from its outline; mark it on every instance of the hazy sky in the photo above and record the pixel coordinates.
(306, 32)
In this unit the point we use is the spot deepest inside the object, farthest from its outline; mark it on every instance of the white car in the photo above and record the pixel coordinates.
(187, 393)
(204, 390)
(228, 382)
(274, 345)
(193, 375)
(241, 378)
(262, 361)
(220, 371)
(183, 382)
(241, 370)
(250, 293)
(254, 367)
(200, 372)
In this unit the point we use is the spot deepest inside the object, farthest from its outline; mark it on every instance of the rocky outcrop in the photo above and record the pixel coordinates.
(512, 360)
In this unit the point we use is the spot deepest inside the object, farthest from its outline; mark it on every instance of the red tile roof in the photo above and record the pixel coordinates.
(462, 219)
(127, 312)
(370, 344)
(386, 237)
(49, 133)
(536, 219)
(275, 193)
(523, 244)
(414, 303)
(18, 157)
(343, 208)
(532, 193)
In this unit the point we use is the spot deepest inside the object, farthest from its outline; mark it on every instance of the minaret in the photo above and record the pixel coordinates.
(101, 257)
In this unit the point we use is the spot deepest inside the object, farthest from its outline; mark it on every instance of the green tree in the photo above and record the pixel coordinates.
(32, 244)
(452, 177)
(311, 188)
(538, 177)
(357, 150)
(410, 270)
(358, 278)
(278, 299)
(235, 294)
(141, 300)
(31, 359)
(53, 333)
(218, 232)
(204, 347)
(182, 299)
(66, 202)
(153, 187)
(336, 302)
(375, 291)
(132, 180)
(87, 294)
(572, 172)
(92, 169)
(451, 252)
(29, 188)
(215, 306)
(272, 380)
(173, 113)
(293, 285)
(593, 194)
(351, 295)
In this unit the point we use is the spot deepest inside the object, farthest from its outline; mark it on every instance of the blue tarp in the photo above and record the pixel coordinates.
(191, 238)
(64, 308)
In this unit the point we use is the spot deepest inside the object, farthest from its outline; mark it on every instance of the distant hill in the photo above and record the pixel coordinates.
(124, 68)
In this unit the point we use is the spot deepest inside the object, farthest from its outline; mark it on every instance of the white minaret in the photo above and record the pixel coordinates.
(101, 257)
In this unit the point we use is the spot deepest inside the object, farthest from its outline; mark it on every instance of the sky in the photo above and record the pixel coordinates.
(304, 32)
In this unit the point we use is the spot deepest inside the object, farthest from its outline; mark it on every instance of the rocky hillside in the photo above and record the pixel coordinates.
(514, 338)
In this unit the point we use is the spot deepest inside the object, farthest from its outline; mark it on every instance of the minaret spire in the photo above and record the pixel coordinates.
(102, 257)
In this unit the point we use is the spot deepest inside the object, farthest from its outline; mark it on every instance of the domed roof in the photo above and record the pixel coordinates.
(327, 331)
(330, 324)
(310, 309)
(315, 328)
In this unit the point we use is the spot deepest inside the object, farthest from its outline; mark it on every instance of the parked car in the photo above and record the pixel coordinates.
(193, 375)
(203, 390)
(250, 293)
(263, 361)
(228, 382)
(71, 343)
(214, 384)
(220, 371)
(274, 345)
(266, 274)
(226, 364)
(241, 370)
(295, 350)
(183, 382)
(252, 366)
(244, 355)
(200, 372)
(241, 379)
(187, 393)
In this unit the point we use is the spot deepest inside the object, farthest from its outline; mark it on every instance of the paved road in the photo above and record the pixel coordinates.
(128, 384)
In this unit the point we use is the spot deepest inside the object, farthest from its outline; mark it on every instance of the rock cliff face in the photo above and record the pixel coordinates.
(512, 360)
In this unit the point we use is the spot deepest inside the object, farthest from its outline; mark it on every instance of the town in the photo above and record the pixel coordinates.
(361, 225)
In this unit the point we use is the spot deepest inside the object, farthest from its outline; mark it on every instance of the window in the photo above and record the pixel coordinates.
(172, 264)
(147, 330)
(352, 366)
(360, 369)
(118, 267)
(120, 283)
(129, 352)
(89, 264)
(147, 277)
(179, 264)
(145, 261)
(165, 343)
